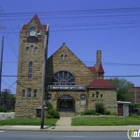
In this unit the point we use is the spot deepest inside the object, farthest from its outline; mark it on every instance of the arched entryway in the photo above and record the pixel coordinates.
(66, 104)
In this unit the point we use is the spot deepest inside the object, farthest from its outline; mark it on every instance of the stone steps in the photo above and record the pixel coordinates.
(67, 114)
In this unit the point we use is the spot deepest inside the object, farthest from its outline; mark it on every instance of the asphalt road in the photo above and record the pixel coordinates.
(24, 135)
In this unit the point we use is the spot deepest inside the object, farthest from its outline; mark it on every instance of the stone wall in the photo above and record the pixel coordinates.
(29, 52)
(76, 95)
(83, 76)
(106, 96)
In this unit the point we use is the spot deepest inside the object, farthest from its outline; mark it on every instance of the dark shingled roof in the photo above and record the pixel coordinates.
(40, 26)
(101, 70)
(101, 83)
(93, 69)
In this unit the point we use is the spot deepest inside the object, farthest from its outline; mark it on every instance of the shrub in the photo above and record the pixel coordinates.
(89, 112)
(107, 112)
(135, 115)
(49, 105)
(113, 113)
(54, 113)
(51, 112)
(1, 108)
(97, 114)
(99, 108)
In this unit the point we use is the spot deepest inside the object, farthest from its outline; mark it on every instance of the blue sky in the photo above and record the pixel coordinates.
(86, 26)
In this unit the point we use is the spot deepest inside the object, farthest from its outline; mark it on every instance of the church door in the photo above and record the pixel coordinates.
(66, 104)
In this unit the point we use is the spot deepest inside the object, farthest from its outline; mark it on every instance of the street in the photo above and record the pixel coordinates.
(24, 135)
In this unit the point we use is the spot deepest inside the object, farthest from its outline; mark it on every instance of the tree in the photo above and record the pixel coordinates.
(7, 101)
(123, 86)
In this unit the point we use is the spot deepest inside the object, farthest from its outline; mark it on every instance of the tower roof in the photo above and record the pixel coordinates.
(36, 19)
(101, 70)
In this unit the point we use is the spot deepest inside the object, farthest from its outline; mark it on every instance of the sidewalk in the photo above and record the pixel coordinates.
(64, 125)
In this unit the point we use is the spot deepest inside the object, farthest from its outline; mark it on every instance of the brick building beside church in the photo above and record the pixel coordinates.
(70, 85)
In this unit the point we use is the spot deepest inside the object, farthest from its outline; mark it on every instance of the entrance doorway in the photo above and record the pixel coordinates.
(66, 104)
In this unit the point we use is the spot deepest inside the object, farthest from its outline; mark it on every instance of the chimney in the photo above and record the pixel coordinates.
(98, 59)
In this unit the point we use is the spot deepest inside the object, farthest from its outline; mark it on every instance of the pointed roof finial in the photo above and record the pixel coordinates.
(63, 44)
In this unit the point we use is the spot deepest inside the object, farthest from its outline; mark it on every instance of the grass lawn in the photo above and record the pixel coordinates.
(105, 121)
(28, 121)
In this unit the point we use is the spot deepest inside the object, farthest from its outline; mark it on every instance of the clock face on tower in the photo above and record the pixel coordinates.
(63, 78)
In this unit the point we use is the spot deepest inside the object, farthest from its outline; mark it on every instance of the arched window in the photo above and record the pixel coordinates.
(97, 94)
(62, 58)
(30, 70)
(23, 93)
(83, 99)
(29, 92)
(63, 78)
(32, 31)
(35, 93)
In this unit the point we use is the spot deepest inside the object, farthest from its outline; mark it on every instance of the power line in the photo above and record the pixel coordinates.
(49, 76)
(92, 62)
(109, 10)
(11, 86)
(90, 29)
(8, 85)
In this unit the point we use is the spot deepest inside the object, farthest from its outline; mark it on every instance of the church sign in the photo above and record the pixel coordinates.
(66, 87)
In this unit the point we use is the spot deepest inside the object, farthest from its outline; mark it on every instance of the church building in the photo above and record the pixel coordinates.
(70, 85)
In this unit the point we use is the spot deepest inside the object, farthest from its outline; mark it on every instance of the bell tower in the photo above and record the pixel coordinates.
(32, 53)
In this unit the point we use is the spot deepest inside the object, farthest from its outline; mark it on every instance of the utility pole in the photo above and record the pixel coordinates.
(43, 93)
(43, 82)
(1, 61)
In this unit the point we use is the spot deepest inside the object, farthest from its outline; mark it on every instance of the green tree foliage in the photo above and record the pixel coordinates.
(123, 86)
(49, 105)
(52, 113)
(6, 98)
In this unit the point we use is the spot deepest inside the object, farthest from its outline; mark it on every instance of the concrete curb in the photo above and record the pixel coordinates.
(71, 128)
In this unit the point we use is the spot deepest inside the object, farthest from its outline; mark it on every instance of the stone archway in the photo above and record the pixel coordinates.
(66, 104)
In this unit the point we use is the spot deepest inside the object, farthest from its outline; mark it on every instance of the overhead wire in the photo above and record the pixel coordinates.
(8, 85)
(75, 76)
(82, 12)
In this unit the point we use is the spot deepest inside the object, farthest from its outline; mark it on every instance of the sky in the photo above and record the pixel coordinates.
(112, 26)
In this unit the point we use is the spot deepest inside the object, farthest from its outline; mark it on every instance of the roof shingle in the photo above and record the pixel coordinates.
(101, 83)
(40, 26)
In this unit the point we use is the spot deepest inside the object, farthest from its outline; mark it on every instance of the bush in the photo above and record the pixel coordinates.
(1, 108)
(54, 113)
(99, 108)
(51, 112)
(107, 112)
(97, 114)
(113, 113)
(135, 115)
(49, 105)
(89, 112)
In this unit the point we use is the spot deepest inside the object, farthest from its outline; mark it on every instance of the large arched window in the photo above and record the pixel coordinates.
(63, 78)
(32, 31)
(30, 70)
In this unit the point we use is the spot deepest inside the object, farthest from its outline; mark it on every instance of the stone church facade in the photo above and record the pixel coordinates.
(70, 85)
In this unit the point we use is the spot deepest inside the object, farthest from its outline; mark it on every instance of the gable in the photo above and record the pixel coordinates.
(34, 22)
(65, 60)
